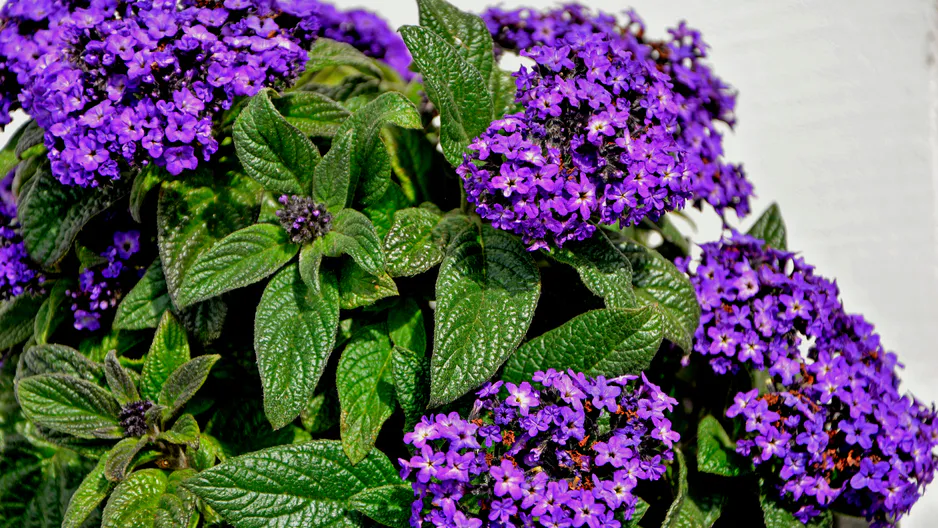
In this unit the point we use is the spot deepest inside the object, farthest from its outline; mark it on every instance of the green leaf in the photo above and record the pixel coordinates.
(17, 317)
(770, 227)
(412, 157)
(354, 235)
(640, 508)
(670, 233)
(145, 304)
(197, 211)
(503, 88)
(672, 519)
(603, 268)
(382, 212)
(609, 342)
(89, 495)
(184, 382)
(294, 332)
(8, 157)
(146, 180)
(241, 258)
(169, 351)
(205, 320)
(412, 245)
(57, 359)
(312, 113)
(274, 152)
(120, 456)
(716, 453)
(32, 136)
(327, 53)
(455, 87)
(119, 381)
(466, 32)
(358, 287)
(297, 485)
(69, 405)
(332, 178)
(184, 431)
(52, 214)
(389, 505)
(309, 263)
(51, 313)
(658, 282)
(776, 516)
(366, 390)
(321, 414)
(135, 500)
(412, 383)
(486, 293)
(406, 327)
(174, 512)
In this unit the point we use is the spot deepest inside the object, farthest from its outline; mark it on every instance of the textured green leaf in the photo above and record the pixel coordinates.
(169, 351)
(294, 332)
(17, 317)
(184, 431)
(272, 151)
(454, 86)
(89, 495)
(603, 268)
(58, 359)
(412, 245)
(145, 304)
(184, 382)
(486, 293)
(321, 414)
(466, 32)
(412, 382)
(354, 235)
(716, 453)
(69, 405)
(503, 88)
(241, 258)
(382, 212)
(32, 136)
(311, 112)
(776, 516)
(146, 180)
(658, 282)
(389, 505)
(406, 327)
(120, 456)
(770, 227)
(297, 485)
(358, 287)
(205, 320)
(174, 512)
(610, 342)
(52, 214)
(640, 508)
(197, 211)
(366, 390)
(135, 500)
(412, 157)
(698, 513)
(332, 178)
(672, 519)
(52, 312)
(118, 380)
(309, 263)
(327, 53)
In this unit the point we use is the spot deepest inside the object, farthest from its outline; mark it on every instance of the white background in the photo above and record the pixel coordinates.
(837, 123)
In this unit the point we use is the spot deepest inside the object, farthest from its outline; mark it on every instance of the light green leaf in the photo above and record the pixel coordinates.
(658, 282)
(309, 263)
(412, 157)
(184, 431)
(169, 351)
(69, 405)
(466, 32)
(89, 495)
(412, 245)
(603, 268)
(770, 227)
(389, 505)
(486, 293)
(327, 53)
(776, 516)
(145, 304)
(332, 178)
(184, 382)
(119, 381)
(296, 485)
(358, 287)
(135, 500)
(312, 113)
(241, 258)
(609, 342)
(354, 235)
(716, 453)
(366, 390)
(272, 151)
(294, 332)
(454, 86)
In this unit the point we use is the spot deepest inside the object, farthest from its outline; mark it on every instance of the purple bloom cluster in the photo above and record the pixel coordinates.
(18, 274)
(368, 33)
(303, 219)
(836, 429)
(133, 417)
(757, 305)
(595, 143)
(101, 287)
(702, 99)
(540, 453)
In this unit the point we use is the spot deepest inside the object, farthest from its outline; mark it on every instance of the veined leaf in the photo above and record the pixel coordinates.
(770, 227)
(412, 245)
(184, 382)
(169, 351)
(145, 304)
(358, 287)
(69, 405)
(603, 268)
(312, 113)
(135, 500)
(353, 234)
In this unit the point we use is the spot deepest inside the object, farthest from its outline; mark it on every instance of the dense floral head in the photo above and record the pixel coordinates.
(18, 274)
(595, 143)
(702, 98)
(133, 417)
(565, 449)
(101, 287)
(304, 219)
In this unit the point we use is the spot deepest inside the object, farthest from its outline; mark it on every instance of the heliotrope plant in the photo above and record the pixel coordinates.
(271, 263)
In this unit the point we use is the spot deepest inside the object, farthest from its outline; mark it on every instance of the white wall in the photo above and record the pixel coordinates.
(837, 114)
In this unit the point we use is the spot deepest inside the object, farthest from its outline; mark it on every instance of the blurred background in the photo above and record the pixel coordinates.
(837, 122)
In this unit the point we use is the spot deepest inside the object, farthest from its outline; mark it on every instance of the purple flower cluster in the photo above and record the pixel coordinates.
(595, 143)
(368, 33)
(18, 274)
(101, 287)
(566, 451)
(703, 100)
(303, 219)
(835, 429)
(758, 304)
(133, 417)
